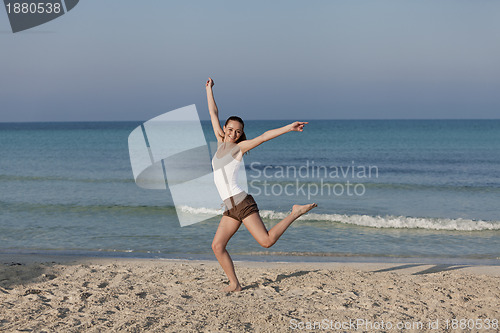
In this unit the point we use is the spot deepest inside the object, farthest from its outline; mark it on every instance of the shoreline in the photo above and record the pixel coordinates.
(277, 257)
(402, 265)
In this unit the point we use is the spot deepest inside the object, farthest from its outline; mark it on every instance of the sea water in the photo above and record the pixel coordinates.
(384, 189)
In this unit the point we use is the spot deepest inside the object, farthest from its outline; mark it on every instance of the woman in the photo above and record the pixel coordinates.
(240, 206)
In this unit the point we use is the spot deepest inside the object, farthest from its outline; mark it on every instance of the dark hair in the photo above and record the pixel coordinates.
(243, 137)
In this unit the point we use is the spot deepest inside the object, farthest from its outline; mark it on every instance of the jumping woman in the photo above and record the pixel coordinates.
(240, 206)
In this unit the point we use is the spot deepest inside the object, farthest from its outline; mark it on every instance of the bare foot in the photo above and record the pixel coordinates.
(232, 288)
(300, 210)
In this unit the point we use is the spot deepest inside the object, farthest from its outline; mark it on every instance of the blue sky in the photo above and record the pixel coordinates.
(133, 60)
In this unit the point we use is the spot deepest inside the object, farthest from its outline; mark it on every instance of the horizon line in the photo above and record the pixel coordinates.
(282, 119)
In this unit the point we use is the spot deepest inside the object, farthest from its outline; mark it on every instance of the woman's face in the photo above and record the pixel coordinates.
(233, 130)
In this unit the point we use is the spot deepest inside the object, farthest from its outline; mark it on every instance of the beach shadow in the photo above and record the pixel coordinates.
(23, 270)
(279, 278)
(441, 268)
(395, 268)
(16, 273)
(434, 269)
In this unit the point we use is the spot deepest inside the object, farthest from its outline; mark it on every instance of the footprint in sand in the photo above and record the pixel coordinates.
(84, 296)
(142, 294)
(32, 292)
(103, 285)
(62, 312)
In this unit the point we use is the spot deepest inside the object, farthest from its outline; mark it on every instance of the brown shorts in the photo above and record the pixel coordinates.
(238, 208)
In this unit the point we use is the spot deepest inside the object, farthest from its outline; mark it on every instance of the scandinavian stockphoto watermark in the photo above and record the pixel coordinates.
(361, 324)
(26, 14)
(310, 180)
(171, 152)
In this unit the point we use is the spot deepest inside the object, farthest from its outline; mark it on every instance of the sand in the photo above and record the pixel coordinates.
(56, 294)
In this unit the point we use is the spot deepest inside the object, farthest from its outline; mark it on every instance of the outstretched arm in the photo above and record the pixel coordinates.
(246, 145)
(214, 112)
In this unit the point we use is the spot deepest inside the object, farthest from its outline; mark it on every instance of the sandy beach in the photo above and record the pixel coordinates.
(68, 294)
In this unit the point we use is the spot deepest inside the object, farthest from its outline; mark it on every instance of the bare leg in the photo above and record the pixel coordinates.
(266, 238)
(227, 228)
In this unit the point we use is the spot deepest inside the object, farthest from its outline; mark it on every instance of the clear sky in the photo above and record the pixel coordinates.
(133, 60)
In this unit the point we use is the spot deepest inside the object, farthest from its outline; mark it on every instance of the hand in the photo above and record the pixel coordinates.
(210, 83)
(298, 126)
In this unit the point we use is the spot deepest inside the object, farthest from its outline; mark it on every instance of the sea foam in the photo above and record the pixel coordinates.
(389, 221)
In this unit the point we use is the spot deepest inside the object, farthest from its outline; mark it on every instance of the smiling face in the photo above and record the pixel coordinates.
(233, 130)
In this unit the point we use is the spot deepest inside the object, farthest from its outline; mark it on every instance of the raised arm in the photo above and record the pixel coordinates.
(246, 145)
(214, 112)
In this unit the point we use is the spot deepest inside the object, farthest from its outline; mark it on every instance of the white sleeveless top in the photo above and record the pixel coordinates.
(226, 174)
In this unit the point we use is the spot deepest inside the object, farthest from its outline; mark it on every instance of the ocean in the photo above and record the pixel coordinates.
(384, 188)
